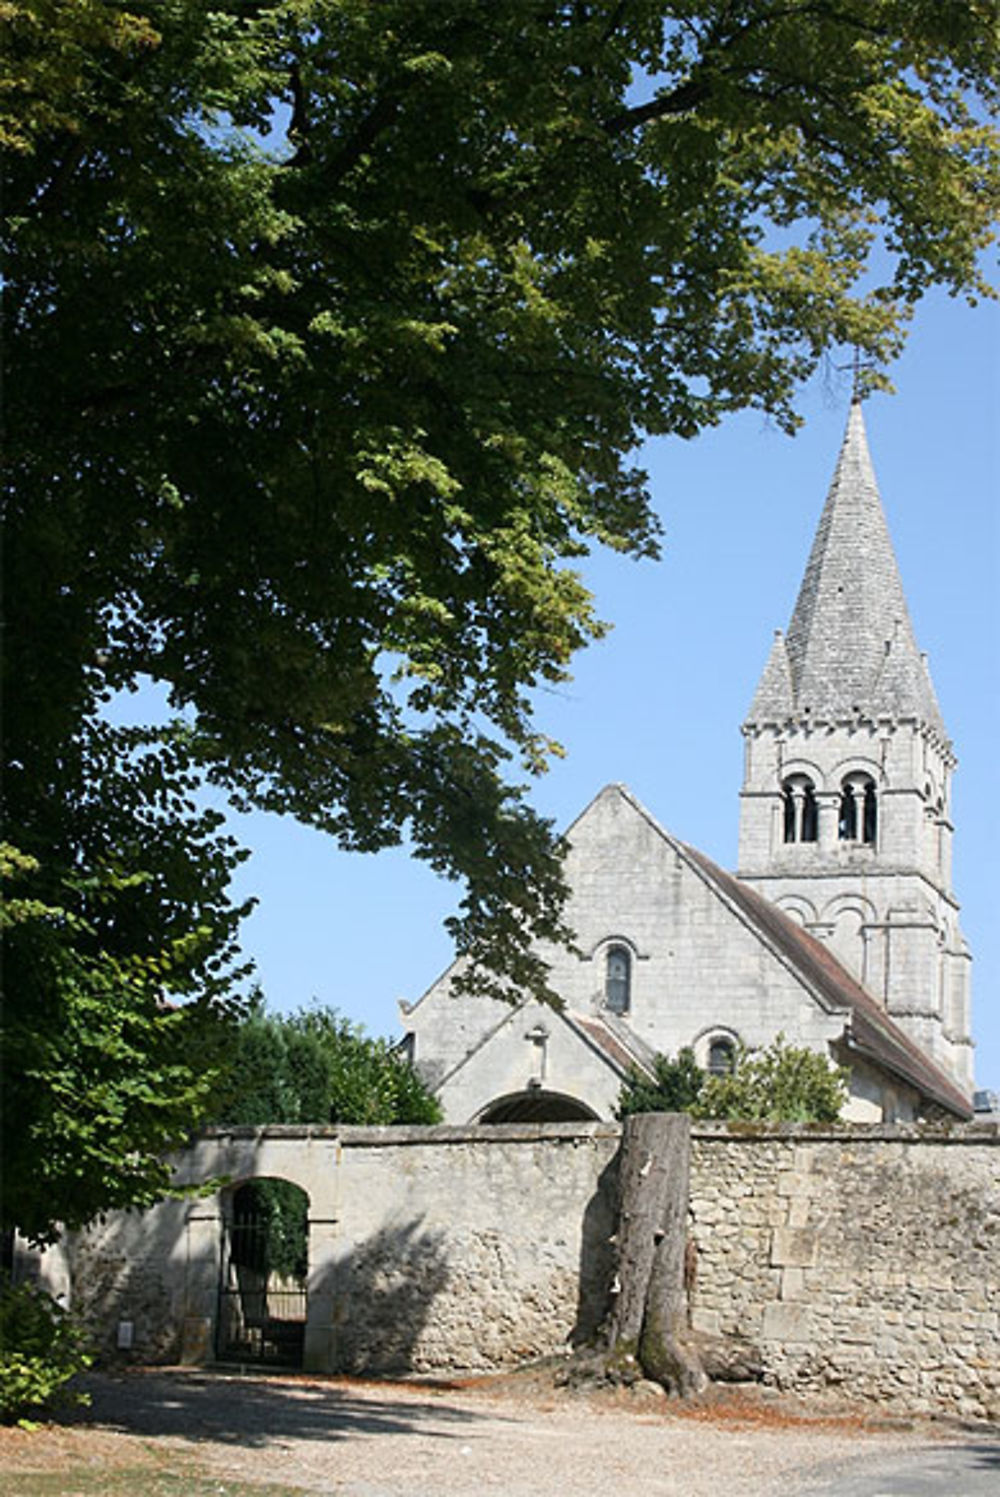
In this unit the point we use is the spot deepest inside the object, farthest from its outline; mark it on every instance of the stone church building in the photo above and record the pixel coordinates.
(840, 929)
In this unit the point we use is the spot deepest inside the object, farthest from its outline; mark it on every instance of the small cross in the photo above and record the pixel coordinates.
(856, 366)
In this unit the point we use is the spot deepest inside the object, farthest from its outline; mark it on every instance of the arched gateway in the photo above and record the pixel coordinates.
(263, 1301)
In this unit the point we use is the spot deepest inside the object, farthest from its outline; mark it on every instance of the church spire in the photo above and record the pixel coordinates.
(845, 819)
(850, 645)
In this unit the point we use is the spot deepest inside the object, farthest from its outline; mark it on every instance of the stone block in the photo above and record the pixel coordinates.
(793, 1247)
(793, 1284)
(798, 1212)
(196, 1340)
(788, 1323)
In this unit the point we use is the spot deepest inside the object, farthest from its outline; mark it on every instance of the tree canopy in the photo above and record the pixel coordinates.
(316, 1066)
(119, 962)
(333, 330)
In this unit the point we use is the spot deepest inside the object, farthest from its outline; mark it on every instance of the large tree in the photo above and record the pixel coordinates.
(333, 328)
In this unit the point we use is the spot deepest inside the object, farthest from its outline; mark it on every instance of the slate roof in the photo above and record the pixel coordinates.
(850, 648)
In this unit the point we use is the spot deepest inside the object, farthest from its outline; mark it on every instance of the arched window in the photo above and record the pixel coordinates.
(618, 980)
(801, 818)
(858, 821)
(847, 824)
(721, 1056)
(789, 801)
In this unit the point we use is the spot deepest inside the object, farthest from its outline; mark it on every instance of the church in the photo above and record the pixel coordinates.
(840, 928)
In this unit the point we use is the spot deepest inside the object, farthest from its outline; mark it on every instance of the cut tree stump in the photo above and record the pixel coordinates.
(648, 1333)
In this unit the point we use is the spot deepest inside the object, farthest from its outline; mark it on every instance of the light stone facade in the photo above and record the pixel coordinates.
(845, 829)
(864, 1262)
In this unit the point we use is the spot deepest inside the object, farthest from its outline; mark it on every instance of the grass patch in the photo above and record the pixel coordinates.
(139, 1481)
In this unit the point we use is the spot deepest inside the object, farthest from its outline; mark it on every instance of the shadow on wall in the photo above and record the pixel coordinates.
(126, 1284)
(383, 1295)
(597, 1257)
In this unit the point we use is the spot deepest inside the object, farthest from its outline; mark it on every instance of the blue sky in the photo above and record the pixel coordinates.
(658, 704)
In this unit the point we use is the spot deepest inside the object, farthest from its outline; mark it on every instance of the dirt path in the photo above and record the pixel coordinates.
(518, 1436)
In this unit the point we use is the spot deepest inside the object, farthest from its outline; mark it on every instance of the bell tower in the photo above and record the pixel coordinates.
(845, 811)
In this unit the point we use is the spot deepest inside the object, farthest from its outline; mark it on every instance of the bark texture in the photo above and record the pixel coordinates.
(648, 1327)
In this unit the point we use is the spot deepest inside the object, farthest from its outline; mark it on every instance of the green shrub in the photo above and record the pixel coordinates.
(674, 1087)
(780, 1084)
(315, 1066)
(41, 1348)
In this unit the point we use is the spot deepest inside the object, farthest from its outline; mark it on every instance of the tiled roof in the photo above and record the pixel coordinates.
(870, 1029)
(624, 1049)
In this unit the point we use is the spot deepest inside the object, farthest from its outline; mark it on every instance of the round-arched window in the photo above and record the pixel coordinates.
(858, 821)
(618, 980)
(721, 1056)
(801, 817)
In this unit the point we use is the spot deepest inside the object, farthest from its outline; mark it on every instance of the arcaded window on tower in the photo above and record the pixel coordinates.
(858, 820)
(801, 819)
(618, 980)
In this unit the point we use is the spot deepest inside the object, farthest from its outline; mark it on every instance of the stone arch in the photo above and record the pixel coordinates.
(807, 768)
(535, 1105)
(264, 1271)
(797, 908)
(715, 1035)
(847, 917)
(615, 938)
(836, 906)
(856, 764)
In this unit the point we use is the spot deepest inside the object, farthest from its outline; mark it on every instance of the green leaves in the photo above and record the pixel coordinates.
(41, 1350)
(120, 970)
(317, 1067)
(779, 1084)
(676, 1086)
(311, 425)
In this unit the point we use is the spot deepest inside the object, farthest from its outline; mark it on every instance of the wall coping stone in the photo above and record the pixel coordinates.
(403, 1135)
(917, 1133)
(709, 1132)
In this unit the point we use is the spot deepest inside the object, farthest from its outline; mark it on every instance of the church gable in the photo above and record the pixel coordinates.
(698, 966)
(840, 931)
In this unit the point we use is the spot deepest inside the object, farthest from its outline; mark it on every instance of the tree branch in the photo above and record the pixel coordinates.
(679, 101)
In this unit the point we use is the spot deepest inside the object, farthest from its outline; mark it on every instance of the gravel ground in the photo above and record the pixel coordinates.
(519, 1436)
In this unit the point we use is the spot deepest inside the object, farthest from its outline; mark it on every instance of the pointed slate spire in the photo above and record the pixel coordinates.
(773, 700)
(850, 644)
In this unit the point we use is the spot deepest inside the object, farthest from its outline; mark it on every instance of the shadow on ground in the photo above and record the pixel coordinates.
(256, 1411)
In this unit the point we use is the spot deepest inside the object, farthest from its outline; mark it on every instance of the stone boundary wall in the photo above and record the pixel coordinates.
(864, 1258)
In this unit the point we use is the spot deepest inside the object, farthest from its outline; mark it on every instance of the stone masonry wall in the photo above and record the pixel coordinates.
(866, 1259)
(490, 1249)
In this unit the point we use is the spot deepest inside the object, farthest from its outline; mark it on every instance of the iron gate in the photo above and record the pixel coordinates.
(262, 1292)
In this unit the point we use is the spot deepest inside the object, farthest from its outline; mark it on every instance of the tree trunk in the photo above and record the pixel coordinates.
(648, 1328)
